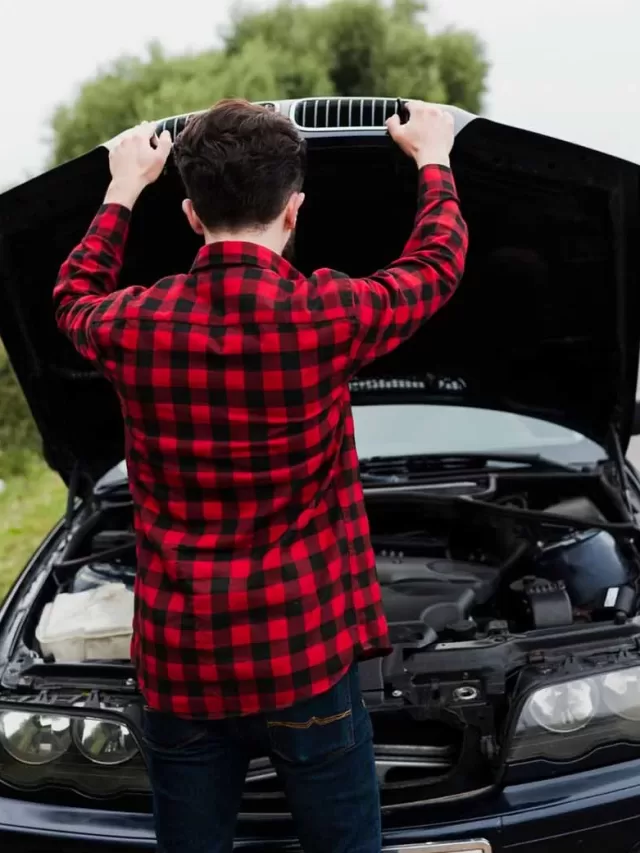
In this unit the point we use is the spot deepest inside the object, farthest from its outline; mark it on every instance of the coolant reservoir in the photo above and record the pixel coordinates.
(91, 625)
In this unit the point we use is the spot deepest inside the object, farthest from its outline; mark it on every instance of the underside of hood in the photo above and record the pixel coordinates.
(546, 322)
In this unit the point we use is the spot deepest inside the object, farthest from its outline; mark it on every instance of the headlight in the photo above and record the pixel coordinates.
(104, 742)
(34, 738)
(621, 693)
(93, 755)
(567, 720)
(564, 707)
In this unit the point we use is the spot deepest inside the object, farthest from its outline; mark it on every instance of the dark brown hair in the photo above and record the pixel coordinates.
(239, 163)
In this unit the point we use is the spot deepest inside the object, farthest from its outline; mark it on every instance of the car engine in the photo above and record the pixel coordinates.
(494, 585)
(521, 552)
(536, 557)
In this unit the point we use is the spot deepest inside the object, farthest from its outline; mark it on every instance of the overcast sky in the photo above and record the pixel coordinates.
(565, 67)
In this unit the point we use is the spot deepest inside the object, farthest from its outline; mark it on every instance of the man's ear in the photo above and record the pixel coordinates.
(192, 217)
(291, 211)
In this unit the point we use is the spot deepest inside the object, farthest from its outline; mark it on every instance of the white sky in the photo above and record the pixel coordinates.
(565, 67)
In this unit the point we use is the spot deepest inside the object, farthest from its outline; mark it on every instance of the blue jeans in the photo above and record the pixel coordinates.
(321, 749)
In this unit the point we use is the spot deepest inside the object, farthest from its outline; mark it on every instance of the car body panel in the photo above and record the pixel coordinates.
(546, 323)
(591, 808)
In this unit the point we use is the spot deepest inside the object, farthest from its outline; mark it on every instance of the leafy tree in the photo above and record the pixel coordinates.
(345, 47)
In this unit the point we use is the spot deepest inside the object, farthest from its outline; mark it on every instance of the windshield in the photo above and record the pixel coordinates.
(411, 430)
(407, 430)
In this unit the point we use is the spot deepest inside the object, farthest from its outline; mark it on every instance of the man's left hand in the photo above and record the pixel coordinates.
(136, 161)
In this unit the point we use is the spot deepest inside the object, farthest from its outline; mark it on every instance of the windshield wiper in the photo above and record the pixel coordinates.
(400, 469)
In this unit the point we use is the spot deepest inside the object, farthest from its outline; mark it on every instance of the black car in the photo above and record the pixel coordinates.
(503, 513)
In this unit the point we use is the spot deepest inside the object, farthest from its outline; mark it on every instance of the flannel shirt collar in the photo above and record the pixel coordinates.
(235, 253)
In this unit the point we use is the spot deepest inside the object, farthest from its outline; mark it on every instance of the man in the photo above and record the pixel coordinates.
(256, 591)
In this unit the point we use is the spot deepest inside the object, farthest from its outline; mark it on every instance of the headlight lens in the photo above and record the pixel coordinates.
(564, 707)
(34, 738)
(621, 693)
(567, 720)
(103, 742)
(95, 756)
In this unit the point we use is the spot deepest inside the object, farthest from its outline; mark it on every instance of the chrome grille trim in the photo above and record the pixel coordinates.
(339, 114)
(175, 124)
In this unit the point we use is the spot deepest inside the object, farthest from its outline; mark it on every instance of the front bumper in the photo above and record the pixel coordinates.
(596, 810)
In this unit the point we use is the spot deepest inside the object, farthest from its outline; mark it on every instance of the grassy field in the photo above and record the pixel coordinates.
(31, 503)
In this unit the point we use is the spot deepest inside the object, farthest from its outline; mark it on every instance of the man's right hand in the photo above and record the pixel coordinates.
(135, 163)
(427, 136)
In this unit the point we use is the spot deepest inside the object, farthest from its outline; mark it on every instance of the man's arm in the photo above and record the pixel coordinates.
(85, 294)
(389, 306)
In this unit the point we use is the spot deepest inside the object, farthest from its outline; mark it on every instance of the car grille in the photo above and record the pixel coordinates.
(394, 763)
(414, 760)
(176, 124)
(335, 113)
(316, 114)
(400, 769)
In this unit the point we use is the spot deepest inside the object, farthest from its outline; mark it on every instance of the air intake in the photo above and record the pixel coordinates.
(174, 125)
(336, 113)
(404, 773)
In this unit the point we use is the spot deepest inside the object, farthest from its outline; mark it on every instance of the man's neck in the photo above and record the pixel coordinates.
(264, 237)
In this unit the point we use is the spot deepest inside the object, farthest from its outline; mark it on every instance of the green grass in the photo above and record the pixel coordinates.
(32, 502)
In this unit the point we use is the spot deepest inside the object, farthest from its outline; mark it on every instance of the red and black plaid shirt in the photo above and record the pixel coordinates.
(256, 584)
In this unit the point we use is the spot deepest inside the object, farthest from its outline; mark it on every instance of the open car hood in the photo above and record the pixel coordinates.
(546, 322)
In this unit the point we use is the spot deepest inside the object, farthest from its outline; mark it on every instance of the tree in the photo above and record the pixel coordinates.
(344, 47)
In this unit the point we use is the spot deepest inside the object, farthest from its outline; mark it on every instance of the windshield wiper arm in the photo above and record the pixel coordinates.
(400, 469)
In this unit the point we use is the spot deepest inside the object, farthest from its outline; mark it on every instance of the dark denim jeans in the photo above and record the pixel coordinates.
(322, 750)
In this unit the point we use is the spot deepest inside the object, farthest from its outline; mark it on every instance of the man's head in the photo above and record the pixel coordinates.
(242, 167)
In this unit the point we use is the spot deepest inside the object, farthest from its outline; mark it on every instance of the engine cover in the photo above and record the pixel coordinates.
(435, 592)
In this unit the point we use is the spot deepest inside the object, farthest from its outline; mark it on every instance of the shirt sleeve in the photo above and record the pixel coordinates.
(85, 294)
(389, 306)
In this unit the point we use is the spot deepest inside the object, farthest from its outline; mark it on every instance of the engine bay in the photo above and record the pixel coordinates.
(501, 552)
(492, 582)
(532, 553)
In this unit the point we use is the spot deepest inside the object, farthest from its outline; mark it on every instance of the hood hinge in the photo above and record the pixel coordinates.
(617, 457)
(74, 491)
